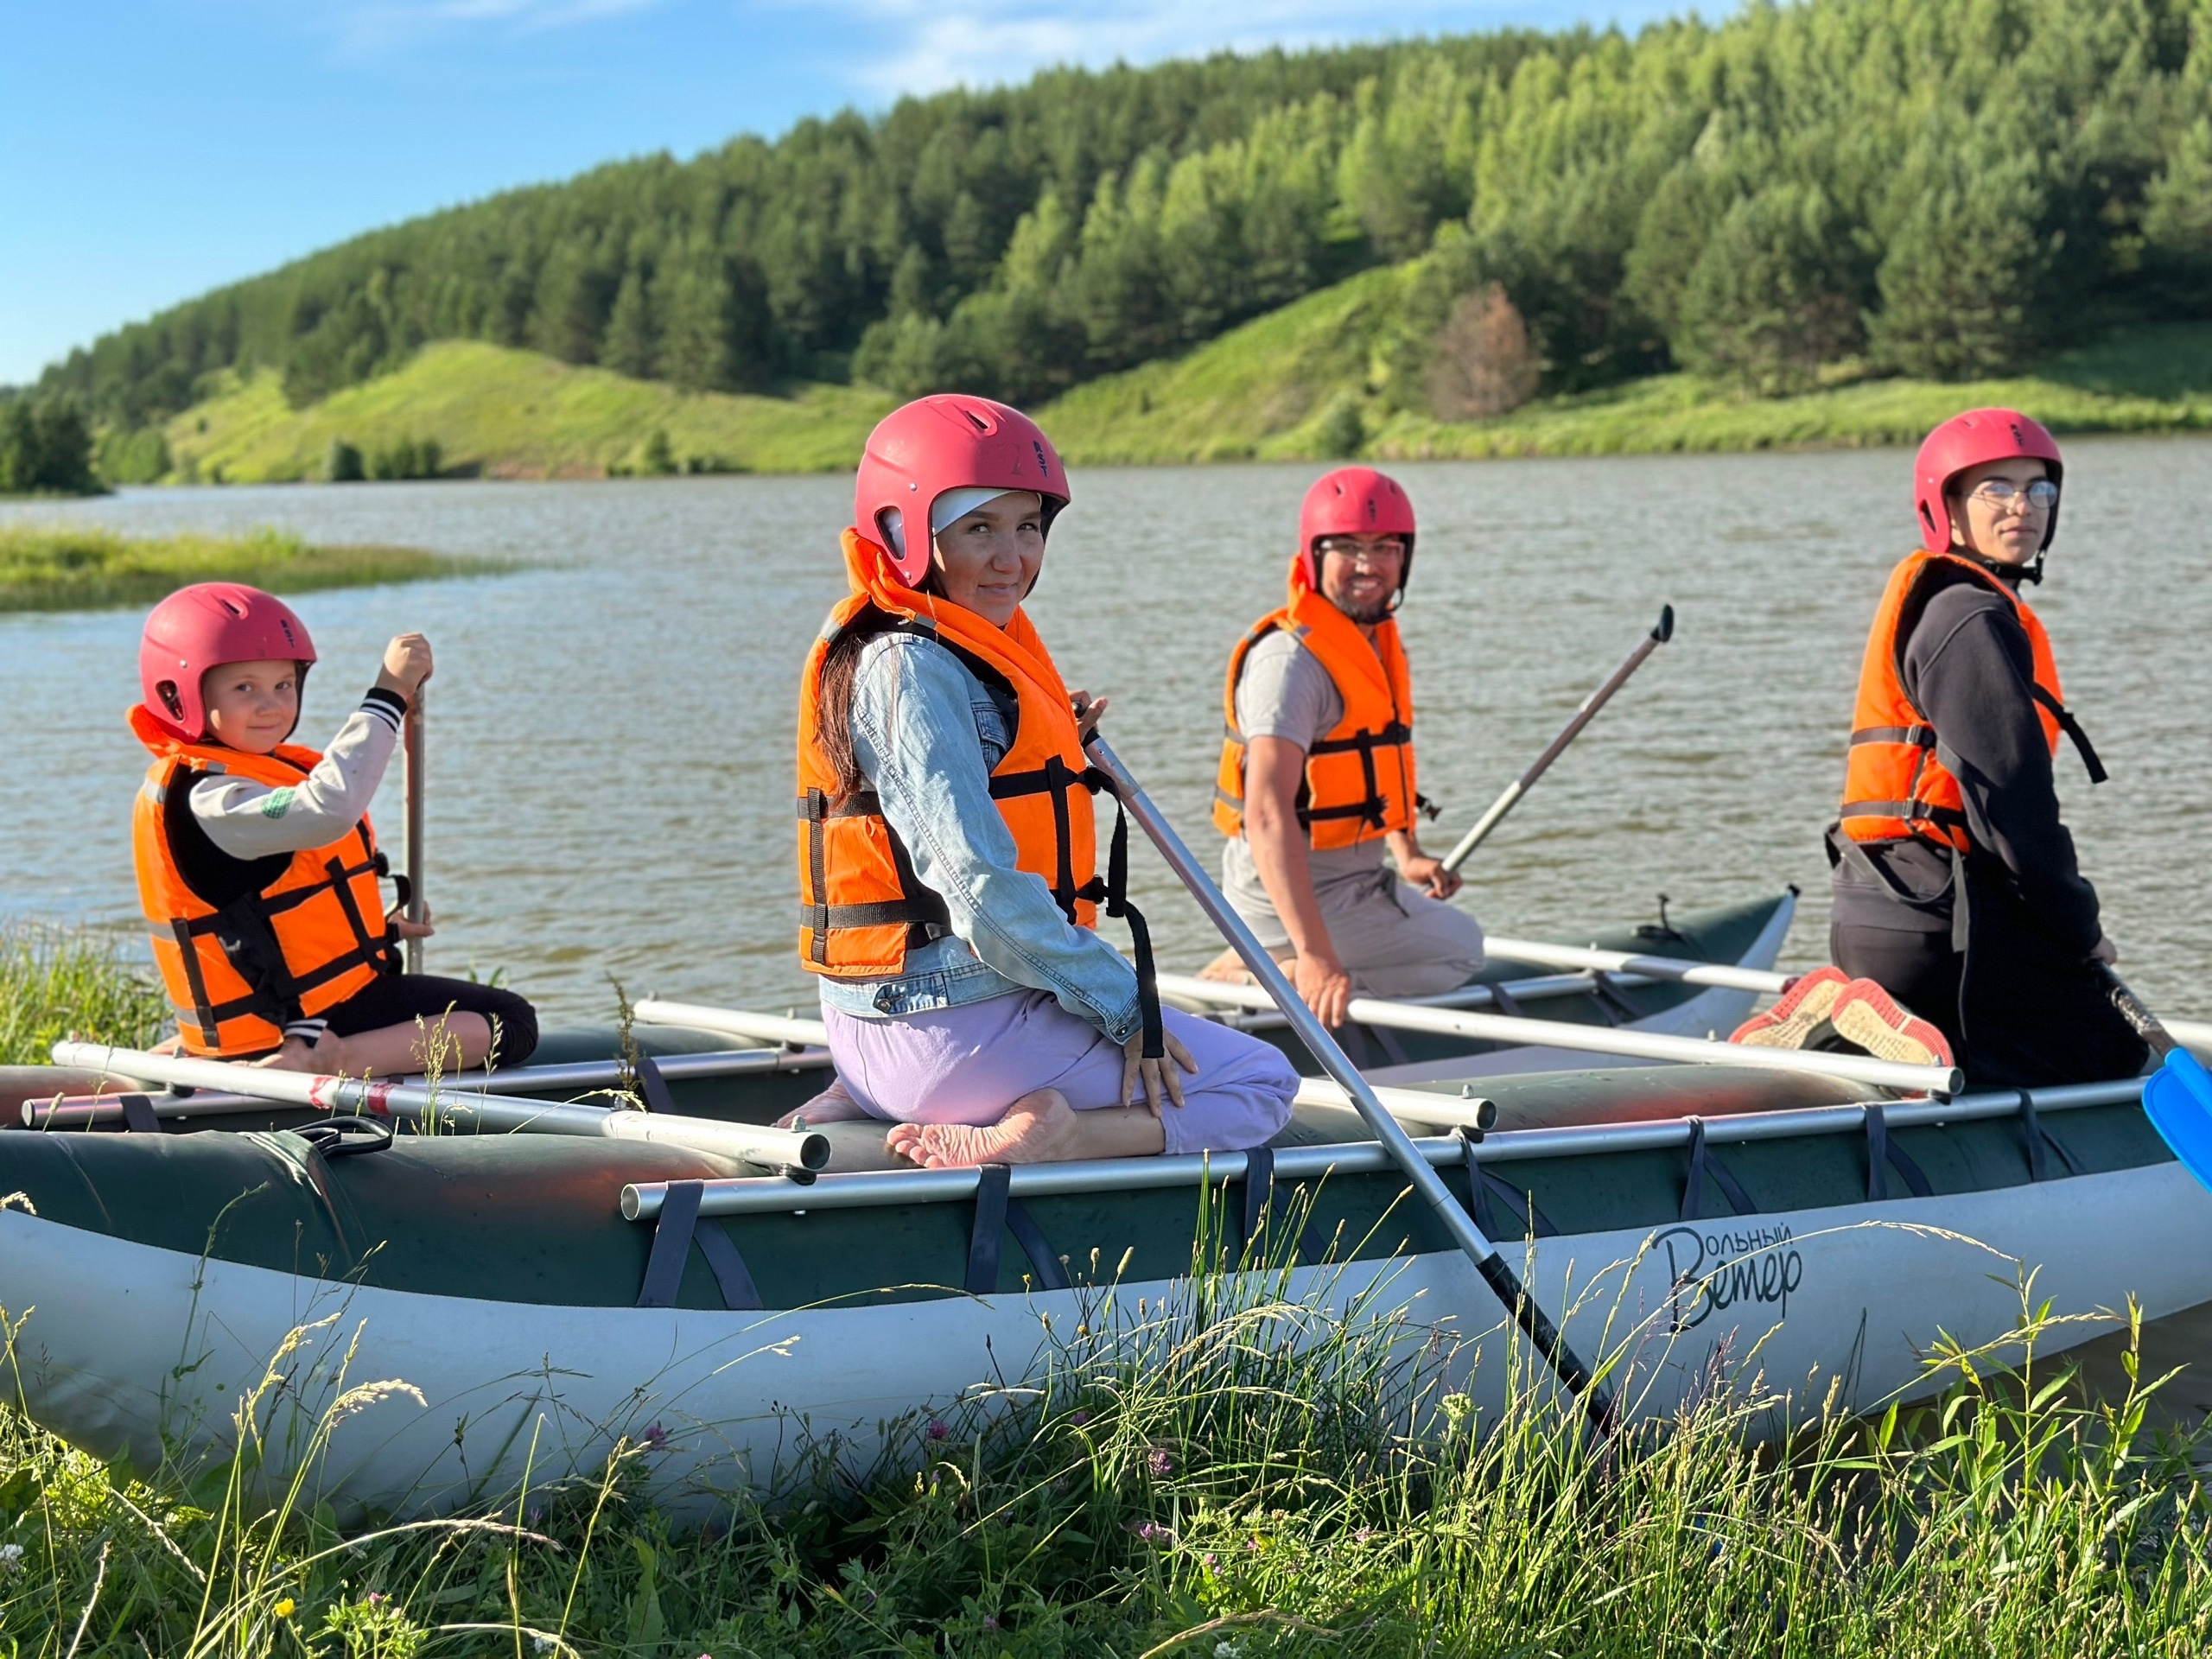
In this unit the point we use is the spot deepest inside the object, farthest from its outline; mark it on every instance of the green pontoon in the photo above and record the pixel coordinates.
(545, 1296)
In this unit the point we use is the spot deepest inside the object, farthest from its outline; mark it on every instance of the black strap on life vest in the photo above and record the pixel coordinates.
(2072, 728)
(922, 912)
(1364, 743)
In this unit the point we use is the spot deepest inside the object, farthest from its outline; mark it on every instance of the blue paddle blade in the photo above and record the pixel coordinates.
(2178, 1098)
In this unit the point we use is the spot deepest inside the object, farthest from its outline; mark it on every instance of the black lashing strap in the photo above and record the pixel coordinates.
(2040, 1142)
(1506, 1003)
(1483, 1183)
(652, 1087)
(1617, 1007)
(138, 1115)
(1259, 1210)
(1883, 1153)
(1704, 1162)
(997, 1213)
(677, 1231)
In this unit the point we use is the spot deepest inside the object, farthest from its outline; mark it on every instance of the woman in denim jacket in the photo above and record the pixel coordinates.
(968, 1002)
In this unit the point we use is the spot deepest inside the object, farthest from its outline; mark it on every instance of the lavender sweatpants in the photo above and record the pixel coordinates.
(966, 1065)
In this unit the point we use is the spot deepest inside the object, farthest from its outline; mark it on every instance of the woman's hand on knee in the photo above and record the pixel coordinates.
(1158, 1078)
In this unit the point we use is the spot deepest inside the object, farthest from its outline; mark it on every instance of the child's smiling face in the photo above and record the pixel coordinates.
(252, 706)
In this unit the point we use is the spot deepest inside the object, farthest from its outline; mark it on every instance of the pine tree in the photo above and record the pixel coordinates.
(628, 345)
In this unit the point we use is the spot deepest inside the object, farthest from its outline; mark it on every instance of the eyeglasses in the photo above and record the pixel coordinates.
(1373, 557)
(2040, 496)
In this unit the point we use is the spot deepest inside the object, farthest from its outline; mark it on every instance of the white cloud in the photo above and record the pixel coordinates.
(925, 45)
(370, 28)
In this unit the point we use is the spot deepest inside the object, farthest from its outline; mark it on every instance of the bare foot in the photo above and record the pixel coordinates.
(832, 1105)
(1227, 969)
(296, 1056)
(1039, 1129)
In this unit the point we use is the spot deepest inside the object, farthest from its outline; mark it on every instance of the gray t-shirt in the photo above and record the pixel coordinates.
(1285, 692)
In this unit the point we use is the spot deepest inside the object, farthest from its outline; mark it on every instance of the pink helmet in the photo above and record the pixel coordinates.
(948, 442)
(1353, 501)
(203, 627)
(1972, 440)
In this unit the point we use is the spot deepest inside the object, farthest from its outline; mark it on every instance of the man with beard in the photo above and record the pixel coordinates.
(1317, 770)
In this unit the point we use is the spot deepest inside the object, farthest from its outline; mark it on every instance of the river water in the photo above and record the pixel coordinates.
(611, 724)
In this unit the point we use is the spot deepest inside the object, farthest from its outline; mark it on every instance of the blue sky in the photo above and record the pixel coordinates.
(157, 148)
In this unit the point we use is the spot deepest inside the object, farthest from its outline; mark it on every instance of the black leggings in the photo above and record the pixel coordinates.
(401, 999)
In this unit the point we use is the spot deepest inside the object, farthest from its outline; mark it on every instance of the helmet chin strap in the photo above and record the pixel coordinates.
(2012, 575)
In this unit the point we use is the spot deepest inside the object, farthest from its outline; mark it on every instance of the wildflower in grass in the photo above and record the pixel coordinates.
(1080, 1418)
(939, 1430)
(287, 1607)
(375, 1598)
(1159, 1463)
(1152, 1532)
(545, 1643)
(655, 1437)
(990, 1621)
(12, 1559)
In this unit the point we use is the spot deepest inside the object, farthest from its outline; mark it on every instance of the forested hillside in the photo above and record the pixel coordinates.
(1804, 193)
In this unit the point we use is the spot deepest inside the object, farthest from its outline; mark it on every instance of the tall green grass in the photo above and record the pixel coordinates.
(54, 981)
(78, 566)
(1239, 1475)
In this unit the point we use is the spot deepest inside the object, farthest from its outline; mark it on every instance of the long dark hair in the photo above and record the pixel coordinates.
(834, 700)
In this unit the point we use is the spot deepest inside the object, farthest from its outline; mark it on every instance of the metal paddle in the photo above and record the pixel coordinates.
(1660, 634)
(411, 737)
(1497, 1271)
(2177, 1096)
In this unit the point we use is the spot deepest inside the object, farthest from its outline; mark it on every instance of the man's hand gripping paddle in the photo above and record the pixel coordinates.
(2177, 1096)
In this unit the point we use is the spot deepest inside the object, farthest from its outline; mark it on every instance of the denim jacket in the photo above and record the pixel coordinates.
(926, 735)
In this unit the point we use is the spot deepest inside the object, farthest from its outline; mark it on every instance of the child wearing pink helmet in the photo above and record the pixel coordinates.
(258, 869)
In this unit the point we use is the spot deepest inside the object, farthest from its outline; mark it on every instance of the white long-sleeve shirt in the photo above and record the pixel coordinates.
(249, 820)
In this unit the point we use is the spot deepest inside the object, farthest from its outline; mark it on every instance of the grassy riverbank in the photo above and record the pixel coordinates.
(1239, 1495)
(78, 566)
(1241, 1492)
(54, 981)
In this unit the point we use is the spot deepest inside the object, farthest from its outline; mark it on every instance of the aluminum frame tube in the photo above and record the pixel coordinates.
(1626, 963)
(774, 1148)
(412, 740)
(756, 1196)
(1626, 1044)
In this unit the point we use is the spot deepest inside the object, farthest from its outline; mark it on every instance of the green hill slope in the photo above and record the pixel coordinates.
(502, 413)
(1290, 384)
(1309, 380)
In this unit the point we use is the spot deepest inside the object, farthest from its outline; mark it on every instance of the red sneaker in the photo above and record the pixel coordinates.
(1798, 1021)
(1870, 1017)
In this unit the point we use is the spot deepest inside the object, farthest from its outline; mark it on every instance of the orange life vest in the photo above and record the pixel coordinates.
(1359, 774)
(1894, 786)
(860, 907)
(299, 945)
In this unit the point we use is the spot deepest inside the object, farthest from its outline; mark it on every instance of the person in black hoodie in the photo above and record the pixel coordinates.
(1956, 885)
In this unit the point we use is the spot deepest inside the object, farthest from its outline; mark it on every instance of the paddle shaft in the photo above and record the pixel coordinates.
(1496, 1271)
(2145, 1024)
(411, 737)
(1662, 632)
(774, 1148)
